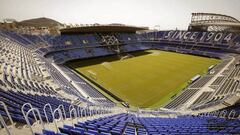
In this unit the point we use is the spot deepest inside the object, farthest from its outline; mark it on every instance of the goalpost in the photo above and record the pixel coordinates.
(92, 74)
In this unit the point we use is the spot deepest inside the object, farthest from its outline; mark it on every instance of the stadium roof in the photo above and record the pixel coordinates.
(102, 29)
(218, 24)
(214, 22)
(216, 15)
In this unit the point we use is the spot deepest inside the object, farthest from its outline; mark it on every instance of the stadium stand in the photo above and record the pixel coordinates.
(182, 98)
(201, 82)
(190, 125)
(203, 97)
(130, 124)
(33, 77)
(218, 80)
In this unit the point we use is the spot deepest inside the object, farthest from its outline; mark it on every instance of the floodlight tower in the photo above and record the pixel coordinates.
(156, 29)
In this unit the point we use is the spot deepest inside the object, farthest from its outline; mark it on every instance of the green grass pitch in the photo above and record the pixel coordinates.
(149, 79)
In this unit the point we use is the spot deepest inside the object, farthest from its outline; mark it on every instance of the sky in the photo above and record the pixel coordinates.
(166, 14)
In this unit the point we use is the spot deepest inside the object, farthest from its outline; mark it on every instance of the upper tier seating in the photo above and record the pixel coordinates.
(23, 70)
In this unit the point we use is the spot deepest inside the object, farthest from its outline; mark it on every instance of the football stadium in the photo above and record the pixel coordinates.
(118, 79)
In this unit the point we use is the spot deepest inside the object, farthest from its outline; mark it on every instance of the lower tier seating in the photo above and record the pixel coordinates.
(130, 124)
(15, 100)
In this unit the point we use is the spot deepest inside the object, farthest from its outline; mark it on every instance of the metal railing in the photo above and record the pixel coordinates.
(59, 111)
(83, 112)
(23, 112)
(64, 112)
(33, 110)
(79, 111)
(221, 114)
(45, 113)
(70, 107)
(4, 125)
(232, 114)
(74, 112)
(6, 110)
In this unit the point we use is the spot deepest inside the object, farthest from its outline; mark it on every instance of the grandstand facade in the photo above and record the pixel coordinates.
(37, 88)
(213, 22)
